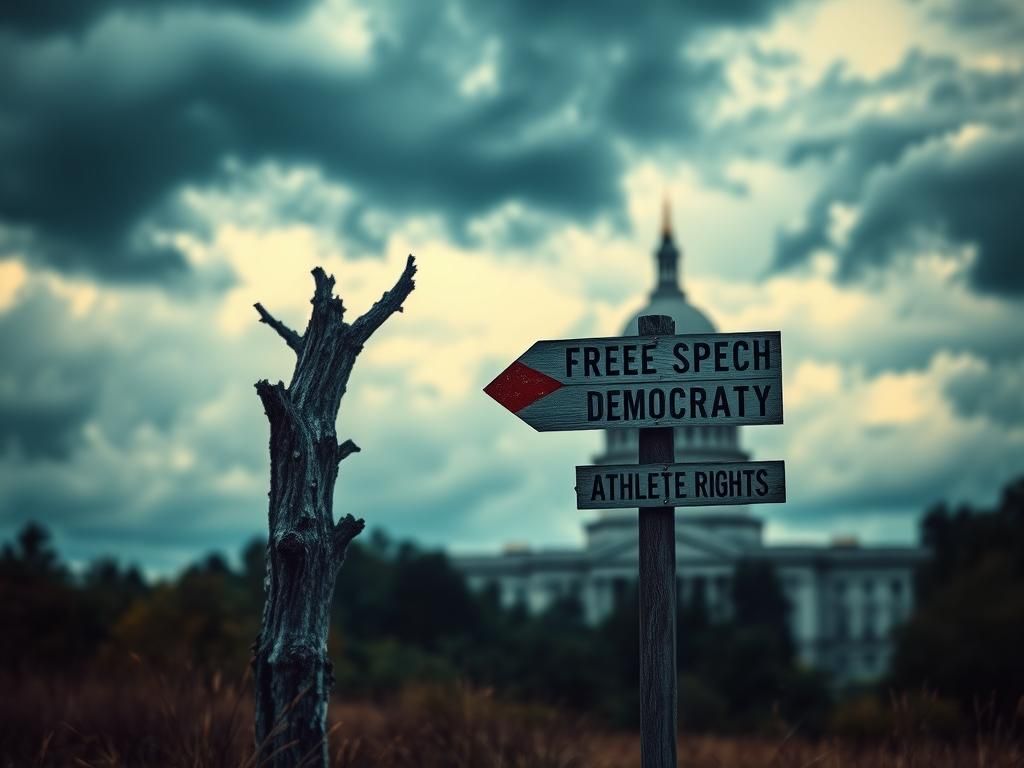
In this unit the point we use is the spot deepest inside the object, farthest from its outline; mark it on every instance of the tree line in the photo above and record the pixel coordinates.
(404, 615)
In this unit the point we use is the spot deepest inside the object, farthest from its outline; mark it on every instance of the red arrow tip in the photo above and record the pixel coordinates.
(519, 385)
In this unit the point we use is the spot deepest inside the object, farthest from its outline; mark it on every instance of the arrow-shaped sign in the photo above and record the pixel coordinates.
(645, 381)
(519, 385)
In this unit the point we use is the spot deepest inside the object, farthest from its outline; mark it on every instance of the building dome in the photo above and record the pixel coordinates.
(688, 318)
(669, 298)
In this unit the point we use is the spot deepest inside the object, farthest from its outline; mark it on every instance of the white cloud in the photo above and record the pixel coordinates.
(867, 37)
(482, 79)
(12, 278)
(886, 446)
(723, 234)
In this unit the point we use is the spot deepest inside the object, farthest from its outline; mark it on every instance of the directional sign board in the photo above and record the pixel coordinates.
(680, 485)
(646, 381)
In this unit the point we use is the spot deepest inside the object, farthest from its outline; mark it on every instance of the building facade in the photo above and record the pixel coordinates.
(844, 599)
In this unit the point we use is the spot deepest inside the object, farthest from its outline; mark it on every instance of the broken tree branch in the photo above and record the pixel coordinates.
(291, 338)
(274, 397)
(346, 449)
(388, 304)
(347, 529)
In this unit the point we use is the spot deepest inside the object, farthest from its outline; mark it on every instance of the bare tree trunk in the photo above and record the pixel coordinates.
(306, 548)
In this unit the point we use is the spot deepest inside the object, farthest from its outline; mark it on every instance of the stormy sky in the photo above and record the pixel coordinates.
(847, 172)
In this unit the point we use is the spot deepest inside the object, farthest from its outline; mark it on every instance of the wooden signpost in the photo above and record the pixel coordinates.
(655, 381)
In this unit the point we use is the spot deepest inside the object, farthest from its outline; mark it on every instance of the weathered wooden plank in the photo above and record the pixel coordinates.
(651, 358)
(657, 598)
(627, 405)
(704, 484)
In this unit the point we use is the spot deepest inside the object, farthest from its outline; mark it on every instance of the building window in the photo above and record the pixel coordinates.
(897, 588)
(869, 630)
(723, 592)
(869, 586)
(842, 625)
(840, 588)
(491, 590)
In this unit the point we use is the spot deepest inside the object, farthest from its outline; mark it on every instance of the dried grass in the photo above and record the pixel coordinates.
(145, 719)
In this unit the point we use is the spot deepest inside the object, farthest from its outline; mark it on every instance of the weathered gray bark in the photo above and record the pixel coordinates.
(306, 547)
(657, 592)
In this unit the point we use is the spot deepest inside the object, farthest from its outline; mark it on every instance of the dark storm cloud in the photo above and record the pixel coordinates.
(602, 21)
(972, 195)
(45, 430)
(990, 391)
(60, 372)
(627, 65)
(43, 16)
(905, 176)
(655, 99)
(992, 19)
(164, 539)
(88, 156)
(108, 420)
(48, 386)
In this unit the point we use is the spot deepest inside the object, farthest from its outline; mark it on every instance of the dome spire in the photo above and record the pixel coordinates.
(667, 256)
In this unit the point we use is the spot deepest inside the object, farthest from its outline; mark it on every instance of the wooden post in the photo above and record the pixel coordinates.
(658, 697)
(306, 548)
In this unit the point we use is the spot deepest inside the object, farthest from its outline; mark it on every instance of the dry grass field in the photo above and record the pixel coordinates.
(150, 720)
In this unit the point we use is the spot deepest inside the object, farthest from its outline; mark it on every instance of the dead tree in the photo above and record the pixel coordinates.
(306, 548)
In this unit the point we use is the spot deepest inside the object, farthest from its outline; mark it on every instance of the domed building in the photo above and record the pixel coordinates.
(691, 443)
(844, 599)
